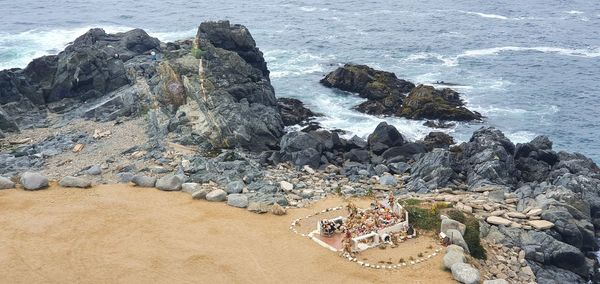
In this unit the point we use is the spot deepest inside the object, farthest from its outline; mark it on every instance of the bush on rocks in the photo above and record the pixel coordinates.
(472, 238)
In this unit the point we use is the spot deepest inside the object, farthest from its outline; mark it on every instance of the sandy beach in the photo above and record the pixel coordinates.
(122, 234)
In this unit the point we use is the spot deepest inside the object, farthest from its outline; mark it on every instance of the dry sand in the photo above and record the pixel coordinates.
(116, 233)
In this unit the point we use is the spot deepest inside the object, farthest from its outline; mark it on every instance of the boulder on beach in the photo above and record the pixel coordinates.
(144, 181)
(237, 200)
(33, 181)
(71, 181)
(465, 273)
(216, 195)
(169, 183)
(6, 183)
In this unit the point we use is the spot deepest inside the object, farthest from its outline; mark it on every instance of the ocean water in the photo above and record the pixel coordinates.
(530, 67)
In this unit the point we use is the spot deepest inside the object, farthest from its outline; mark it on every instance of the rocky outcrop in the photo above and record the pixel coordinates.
(220, 90)
(383, 90)
(294, 112)
(488, 158)
(92, 66)
(213, 91)
(367, 82)
(385, 95)
(426, 102)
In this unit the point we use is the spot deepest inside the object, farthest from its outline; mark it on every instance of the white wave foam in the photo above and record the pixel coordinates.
(17, 50)
(574, 12)
(489, 16)
(308, 8)
(545, 49)
(284, 63)
(491, 110)
(174, 35)
(521, 136)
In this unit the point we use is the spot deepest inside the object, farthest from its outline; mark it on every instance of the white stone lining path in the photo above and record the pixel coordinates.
(350, 258)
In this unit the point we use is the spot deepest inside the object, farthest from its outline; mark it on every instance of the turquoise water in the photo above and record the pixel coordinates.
(530, 67)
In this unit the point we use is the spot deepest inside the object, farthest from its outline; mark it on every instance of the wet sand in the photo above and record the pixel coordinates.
(117, 233)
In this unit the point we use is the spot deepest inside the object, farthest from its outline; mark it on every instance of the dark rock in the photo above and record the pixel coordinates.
(543, 248)
(437, 140)
(293, 111)
(403, 153)
(385, 134)
(6, 123)
(399, 168)
(236, 106)
(356, 142)
(357, 155)
(488, 158)
(384, 91)
(426, 102)
(367, 82)
(434, 168)
(438, 124)
(301, 149)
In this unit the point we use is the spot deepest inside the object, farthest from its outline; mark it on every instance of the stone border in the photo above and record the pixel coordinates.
(350, 258)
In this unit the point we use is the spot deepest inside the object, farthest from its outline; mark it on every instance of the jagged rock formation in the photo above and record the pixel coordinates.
(213, 91)
(294, 112)
(385, 95)
(220, 90)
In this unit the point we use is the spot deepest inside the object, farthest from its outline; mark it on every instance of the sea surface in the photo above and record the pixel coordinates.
(530, 67)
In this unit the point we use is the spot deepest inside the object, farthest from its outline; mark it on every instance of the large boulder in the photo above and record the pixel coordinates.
(457, 238)
(33, 181)
(452, 257)
(488, 159)
(301, 149)
(384, 91)
(6, 183)
(293, 111)
(385, 134)
(169, 183)
(216, 195)
(542, 248)
(426, 102)
(367, 82)
(93, 65)
(448, 224)
(230, 101)
(437, 139)
(403, 153)
(434, 168)
(465, 273)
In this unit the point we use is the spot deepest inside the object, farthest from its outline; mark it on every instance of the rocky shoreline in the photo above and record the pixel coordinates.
(201, 116)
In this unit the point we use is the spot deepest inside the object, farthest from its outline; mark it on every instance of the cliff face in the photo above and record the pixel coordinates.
(214, 91)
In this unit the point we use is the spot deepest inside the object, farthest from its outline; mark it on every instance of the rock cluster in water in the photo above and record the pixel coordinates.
(386, 95)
